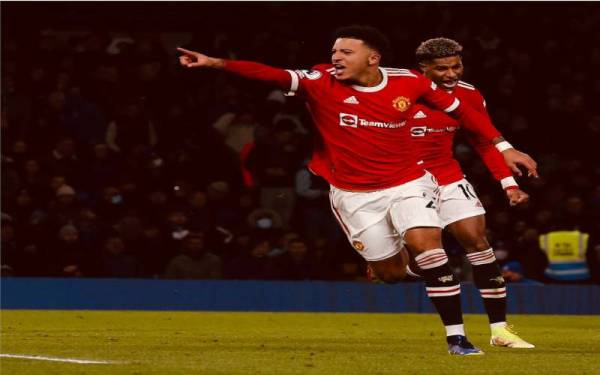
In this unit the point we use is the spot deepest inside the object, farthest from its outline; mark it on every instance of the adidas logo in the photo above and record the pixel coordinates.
(351, 100)
(420, 114)
(446, 279)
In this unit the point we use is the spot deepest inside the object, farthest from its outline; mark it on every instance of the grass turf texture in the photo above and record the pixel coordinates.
(286, 343)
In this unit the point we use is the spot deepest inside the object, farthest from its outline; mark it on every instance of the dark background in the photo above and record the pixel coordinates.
(535, 63)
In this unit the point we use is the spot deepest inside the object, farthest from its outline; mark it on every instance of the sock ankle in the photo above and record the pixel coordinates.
(455, 329)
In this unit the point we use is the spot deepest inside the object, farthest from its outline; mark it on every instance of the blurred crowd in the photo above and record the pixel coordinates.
(118, 163)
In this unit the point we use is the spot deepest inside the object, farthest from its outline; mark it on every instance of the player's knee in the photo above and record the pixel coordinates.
(475, 244)
(393, 269)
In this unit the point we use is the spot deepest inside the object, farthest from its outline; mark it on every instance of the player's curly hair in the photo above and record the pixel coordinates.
(438, 48)
(368, 34)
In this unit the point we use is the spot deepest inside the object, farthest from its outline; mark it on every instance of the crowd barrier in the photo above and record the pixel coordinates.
(317, 296)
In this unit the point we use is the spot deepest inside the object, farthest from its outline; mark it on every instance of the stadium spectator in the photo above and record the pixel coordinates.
(90, 227)
(297, 263)
(69, 257)
(273, 163)
(512, 272)
(21, 209)
(200, 216)
(131, 231)
(253, 264)
(84, 121)
(312, 213)
(65, 208)
(115, 261)
(222, 202)
(104, 168)
(34, 179)
(10, 252)
(528, 253)
(21, 256)
(110, 205)
(177, 225)
(130, 128)
(65, 161)
(195, 262)
(236, 129)
(593, 260)
(566, 251)
(156, 250)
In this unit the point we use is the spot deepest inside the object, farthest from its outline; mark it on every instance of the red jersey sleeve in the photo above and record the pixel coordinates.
(469, 118)
(477, 102)
(492, 158)
(291, 81)
(494, 161)
(248, 69)
(305, 81)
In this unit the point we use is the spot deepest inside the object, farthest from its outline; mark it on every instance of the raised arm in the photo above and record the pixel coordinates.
(280, 77)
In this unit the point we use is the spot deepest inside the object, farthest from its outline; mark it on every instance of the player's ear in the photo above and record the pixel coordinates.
(374, 58)
(423, 67)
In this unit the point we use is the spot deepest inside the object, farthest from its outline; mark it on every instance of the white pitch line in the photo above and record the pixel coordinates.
(56, 359)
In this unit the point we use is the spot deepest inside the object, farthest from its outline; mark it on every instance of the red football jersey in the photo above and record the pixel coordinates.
(433, 134)
(363, 142)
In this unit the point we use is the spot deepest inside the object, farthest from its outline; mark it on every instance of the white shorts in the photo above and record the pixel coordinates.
(375, 222)
(458, 201)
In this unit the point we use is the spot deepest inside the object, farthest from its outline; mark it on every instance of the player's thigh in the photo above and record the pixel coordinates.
(364, 219)
(420, 239)
(458, 201)
(416, 205)
(470, 233)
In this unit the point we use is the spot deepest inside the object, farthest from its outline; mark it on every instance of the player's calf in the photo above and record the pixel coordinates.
(442, 286)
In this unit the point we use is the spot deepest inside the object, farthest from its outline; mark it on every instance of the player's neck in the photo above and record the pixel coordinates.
(371, 77)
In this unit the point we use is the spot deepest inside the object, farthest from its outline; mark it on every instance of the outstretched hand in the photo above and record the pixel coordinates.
(192, 59)
(515, 159)
(517, 197)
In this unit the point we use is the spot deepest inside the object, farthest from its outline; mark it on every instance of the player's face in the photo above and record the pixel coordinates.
(351, 58)
(445, 71)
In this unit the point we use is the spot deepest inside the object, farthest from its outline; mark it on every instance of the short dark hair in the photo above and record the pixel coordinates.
(438, 48)
(368, 34)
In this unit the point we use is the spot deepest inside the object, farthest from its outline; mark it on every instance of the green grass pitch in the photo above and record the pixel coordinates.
(286, 343)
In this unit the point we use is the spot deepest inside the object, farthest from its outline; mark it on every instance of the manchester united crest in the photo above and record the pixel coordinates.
(358, 245)
(401, 103)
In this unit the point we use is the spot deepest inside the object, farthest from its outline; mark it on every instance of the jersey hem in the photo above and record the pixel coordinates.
(362, 189)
